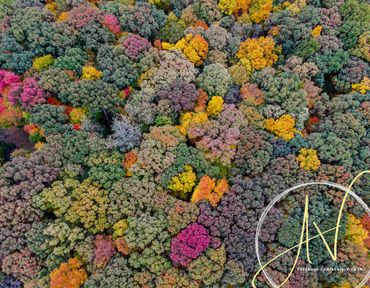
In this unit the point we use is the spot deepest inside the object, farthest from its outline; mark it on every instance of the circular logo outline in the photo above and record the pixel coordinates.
(277, 198)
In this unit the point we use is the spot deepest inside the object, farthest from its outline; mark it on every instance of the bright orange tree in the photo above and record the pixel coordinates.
(210, 189)
(68, 275)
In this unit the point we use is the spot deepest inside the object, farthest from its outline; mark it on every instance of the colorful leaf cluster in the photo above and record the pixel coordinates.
(140, 141)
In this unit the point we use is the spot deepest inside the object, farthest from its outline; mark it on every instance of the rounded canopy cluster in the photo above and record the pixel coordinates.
(140, 141)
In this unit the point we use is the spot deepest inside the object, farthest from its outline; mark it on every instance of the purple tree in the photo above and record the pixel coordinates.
(189, 244)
